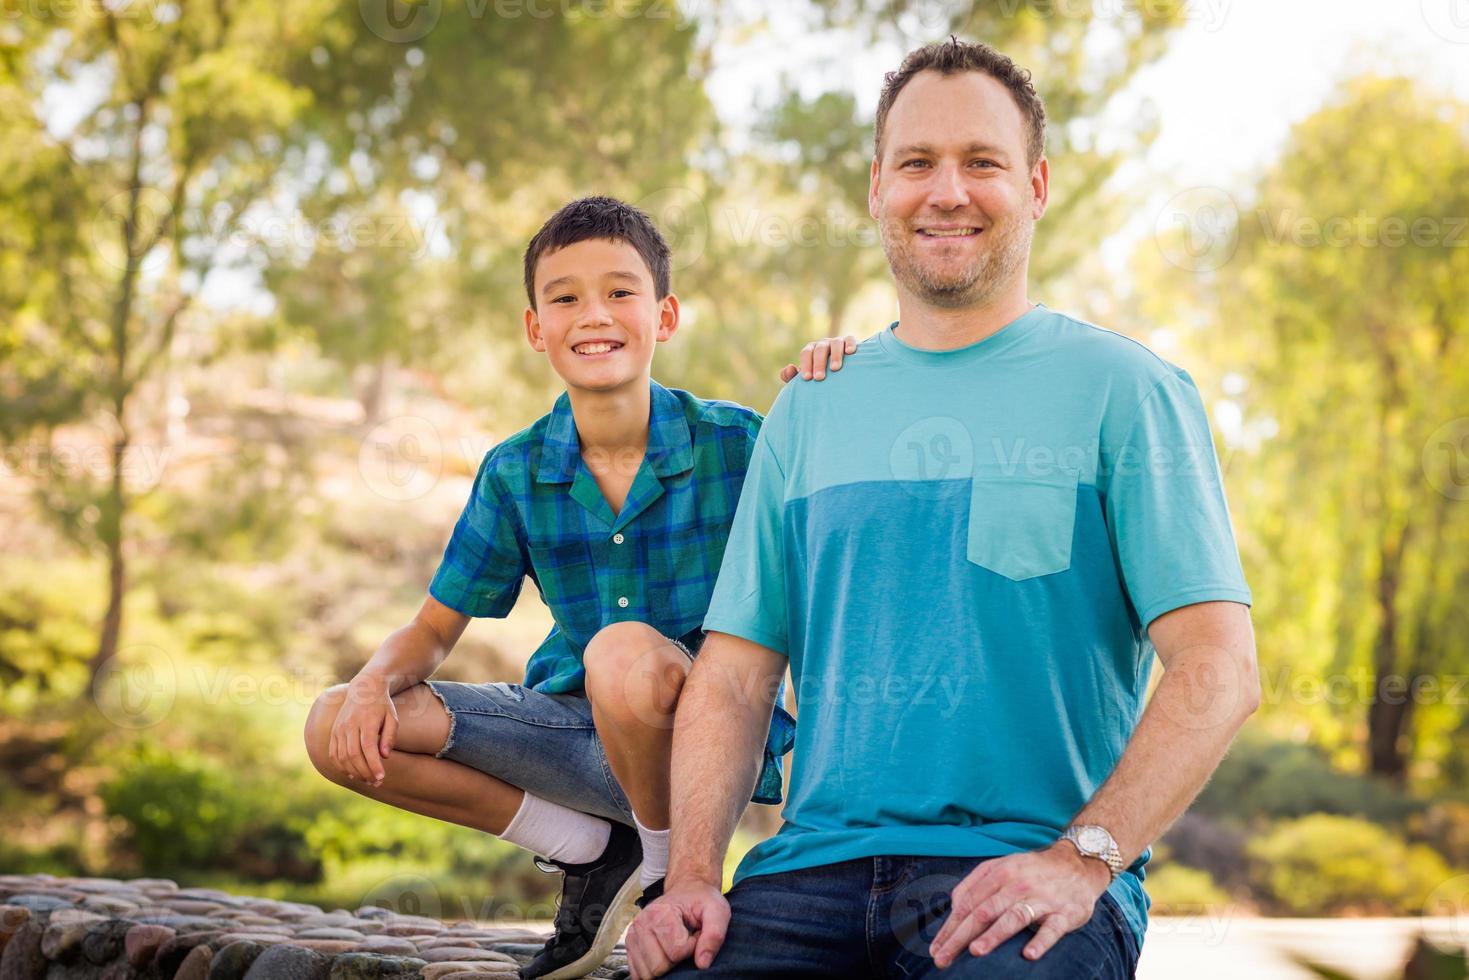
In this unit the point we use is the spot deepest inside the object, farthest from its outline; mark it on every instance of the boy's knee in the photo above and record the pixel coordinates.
(319, 722)
(631, 665)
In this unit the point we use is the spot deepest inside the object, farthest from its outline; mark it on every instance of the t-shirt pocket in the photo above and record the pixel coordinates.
(1020, 523)
(568, 584)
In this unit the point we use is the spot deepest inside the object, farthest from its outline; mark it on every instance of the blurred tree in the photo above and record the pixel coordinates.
(144, 135)
(1342, 320)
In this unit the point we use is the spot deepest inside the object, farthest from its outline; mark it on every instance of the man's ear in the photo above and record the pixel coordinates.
(872, 189)
(533, 330)
(668, 313)
(1040, 187)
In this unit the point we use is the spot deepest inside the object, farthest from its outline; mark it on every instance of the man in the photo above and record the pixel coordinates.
(967, 546)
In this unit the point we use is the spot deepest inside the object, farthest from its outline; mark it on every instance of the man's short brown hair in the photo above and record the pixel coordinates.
(953, 56)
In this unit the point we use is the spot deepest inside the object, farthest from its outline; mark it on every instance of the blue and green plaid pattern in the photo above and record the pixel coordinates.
(536, 510)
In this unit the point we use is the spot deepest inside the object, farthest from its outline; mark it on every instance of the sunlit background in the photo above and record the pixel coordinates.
(261, 291)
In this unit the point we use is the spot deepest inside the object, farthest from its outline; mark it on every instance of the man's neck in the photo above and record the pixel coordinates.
(609, 423)
(930, 327)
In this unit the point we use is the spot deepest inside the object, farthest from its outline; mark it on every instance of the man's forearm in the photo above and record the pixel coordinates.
(1209, 687)
(718, 739)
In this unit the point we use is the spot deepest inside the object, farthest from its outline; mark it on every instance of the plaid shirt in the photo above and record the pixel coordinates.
(536, 510)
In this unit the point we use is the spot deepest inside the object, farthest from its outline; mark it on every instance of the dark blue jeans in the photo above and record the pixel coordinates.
(875, 917)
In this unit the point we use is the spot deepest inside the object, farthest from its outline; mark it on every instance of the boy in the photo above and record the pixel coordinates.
(617, 504)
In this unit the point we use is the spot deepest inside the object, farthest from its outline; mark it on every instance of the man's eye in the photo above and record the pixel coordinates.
(987, 163)
(910, 163)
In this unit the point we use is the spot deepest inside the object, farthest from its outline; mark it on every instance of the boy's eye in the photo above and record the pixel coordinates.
(560, 298)
(625, 292)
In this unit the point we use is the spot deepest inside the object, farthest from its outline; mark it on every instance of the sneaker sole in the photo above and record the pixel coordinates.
(622, 913)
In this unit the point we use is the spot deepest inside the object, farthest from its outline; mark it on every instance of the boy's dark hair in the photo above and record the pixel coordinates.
(953, 56)
(599, 217)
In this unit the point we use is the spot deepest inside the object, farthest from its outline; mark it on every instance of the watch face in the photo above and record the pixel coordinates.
(1093, 839)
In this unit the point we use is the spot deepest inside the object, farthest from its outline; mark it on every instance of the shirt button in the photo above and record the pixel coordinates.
(617, 538)
(622, 601)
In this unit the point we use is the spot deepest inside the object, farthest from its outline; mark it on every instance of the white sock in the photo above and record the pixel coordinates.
(655, 854)
(556, 832)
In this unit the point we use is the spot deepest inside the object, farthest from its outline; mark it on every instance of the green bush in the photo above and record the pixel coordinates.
(1263, 776)
(1324, 864)
(1177, 889)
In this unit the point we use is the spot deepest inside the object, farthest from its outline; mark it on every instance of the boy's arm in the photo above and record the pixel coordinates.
(411, 654)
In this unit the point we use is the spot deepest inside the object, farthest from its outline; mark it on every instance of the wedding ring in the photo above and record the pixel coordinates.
(1029, 912)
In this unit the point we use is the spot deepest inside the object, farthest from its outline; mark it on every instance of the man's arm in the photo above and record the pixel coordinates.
(718, 748)
(718, 740)
(1210, 685)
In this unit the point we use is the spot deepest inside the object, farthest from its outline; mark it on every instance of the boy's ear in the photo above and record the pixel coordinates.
(533, 330)
(667, 317)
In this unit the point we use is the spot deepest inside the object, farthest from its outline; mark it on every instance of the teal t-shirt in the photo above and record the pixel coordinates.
(960, 552)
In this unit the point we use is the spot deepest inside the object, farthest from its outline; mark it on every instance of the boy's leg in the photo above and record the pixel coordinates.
(415, 778)
(634, 677)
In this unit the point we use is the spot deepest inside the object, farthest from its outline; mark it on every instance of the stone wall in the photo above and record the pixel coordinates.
(150, 929)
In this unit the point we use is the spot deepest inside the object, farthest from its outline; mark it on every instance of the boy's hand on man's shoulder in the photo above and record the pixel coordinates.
(818, 355)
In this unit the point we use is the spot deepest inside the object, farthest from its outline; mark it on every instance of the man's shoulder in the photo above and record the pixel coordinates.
(1102, 352)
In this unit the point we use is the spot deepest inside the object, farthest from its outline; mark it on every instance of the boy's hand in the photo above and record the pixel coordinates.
(365, 730)
(816, 355)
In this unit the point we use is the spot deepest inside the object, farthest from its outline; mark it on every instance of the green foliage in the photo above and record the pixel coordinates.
(1177, 889)
(1265, 778)
(1329, 865)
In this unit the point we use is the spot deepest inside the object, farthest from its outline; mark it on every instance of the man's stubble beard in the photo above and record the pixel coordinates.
(993, 268)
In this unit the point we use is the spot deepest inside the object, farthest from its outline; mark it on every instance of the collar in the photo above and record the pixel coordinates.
(670, 448)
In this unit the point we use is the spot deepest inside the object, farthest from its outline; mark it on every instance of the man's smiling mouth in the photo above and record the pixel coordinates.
(948, 232)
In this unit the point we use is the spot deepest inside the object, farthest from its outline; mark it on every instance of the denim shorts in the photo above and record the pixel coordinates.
(545, 744)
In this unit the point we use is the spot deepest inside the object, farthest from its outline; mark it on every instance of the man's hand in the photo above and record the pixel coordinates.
(689, 920)
(365, 730)
(1058, 883)
(818, 355)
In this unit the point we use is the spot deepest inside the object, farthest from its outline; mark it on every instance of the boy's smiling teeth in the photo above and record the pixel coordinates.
(599, 347)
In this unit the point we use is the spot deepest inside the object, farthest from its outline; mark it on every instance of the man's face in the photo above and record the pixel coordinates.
(954, 199)
(596, 314)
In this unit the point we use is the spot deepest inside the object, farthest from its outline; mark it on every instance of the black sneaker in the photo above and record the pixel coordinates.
(596, 905)
(651, 894)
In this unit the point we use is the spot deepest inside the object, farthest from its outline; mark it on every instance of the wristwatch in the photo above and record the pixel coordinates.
(1094, 841)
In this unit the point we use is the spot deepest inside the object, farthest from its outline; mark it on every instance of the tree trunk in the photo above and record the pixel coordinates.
(112, 535)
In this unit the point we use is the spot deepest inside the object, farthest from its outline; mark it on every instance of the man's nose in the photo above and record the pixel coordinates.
(947, 190)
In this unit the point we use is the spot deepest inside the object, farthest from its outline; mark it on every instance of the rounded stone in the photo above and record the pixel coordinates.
(464, 953)
(388, 945)
(196, 965)
(23, 959)
(103, 941)
(370, 966)
(231, 962)
(331, 932)
(142, 941)
(38, 903)
(286, 962)
(327, 946)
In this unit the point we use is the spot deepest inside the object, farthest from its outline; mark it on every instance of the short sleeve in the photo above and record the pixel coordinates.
(484, 564)
(1166, 510)
(749, 598)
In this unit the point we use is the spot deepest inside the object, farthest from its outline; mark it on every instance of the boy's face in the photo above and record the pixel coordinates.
(596, 315)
